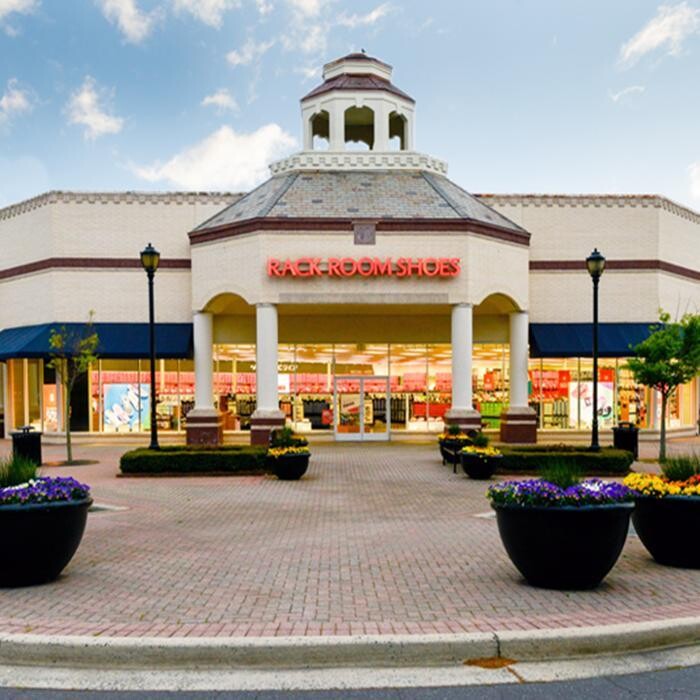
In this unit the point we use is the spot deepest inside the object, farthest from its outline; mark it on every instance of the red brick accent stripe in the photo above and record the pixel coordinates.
(332, 225)
(638, 265)
(89, 263)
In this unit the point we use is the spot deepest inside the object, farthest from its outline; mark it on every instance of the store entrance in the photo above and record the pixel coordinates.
(362, 408)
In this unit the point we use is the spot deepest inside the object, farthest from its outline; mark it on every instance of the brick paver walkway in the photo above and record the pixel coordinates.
(375, 539)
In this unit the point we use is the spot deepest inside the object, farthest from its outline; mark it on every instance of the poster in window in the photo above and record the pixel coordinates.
(125, 411)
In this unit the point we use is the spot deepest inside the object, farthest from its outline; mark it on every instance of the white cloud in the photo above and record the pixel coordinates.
(631, 90)
(309, 72)
(671, 26)
(311, 8)
(249, 52)
(133, 23)
(20, 7)
(222, 99)
(15, 100)
(86, 108)
(694, 171)
(210, 12)
(264, 6)
(353, 21)
(224, 160)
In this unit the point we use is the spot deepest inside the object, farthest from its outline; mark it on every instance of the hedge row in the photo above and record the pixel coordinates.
(180, 459)
(532, 458)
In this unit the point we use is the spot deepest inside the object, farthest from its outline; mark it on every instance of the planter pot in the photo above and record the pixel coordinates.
(667, 526)
(564, 547)
(449, 450)
(480, 467)
(39, 540)
(290, 467)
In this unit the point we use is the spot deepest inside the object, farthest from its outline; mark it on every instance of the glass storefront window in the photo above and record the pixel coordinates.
(490, 381)
(409, 387)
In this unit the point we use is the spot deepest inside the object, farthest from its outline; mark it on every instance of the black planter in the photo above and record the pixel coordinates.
(449, 449)
(480, 466)
(290, 467)
(39, 540)
(667, 527)
(566, 547)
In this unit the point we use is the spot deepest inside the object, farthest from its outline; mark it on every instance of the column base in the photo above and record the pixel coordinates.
(467, 419)
(204, 426)
(262, 422)
(519, 425)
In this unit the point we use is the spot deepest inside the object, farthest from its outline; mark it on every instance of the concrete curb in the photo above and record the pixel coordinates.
(390, 651)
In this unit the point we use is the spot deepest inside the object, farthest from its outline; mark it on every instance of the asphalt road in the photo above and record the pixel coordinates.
(664, 685)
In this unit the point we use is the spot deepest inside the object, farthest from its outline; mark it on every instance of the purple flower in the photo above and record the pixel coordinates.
(44, 489)
(538, 492)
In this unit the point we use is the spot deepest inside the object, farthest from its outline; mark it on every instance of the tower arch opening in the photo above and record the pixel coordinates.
(359, 128)
(320, 130)
(397, 131)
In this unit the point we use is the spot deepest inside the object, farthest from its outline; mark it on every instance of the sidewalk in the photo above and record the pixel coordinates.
(376, 540)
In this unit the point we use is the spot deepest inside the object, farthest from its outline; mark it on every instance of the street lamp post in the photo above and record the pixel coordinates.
(150, 258)
(595, 263)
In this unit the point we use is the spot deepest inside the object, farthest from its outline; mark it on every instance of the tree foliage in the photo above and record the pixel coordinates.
(72, 353)
(669, 357)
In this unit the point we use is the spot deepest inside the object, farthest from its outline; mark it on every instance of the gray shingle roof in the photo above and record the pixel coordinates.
(356, 194)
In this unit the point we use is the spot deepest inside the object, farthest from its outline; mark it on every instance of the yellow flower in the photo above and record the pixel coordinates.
(282, 451)
(658, 486)
(482, 451)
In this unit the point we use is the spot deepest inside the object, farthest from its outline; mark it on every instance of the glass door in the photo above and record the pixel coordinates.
(362, 408)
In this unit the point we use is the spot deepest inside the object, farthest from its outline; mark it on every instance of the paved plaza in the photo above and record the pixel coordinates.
(376, 539)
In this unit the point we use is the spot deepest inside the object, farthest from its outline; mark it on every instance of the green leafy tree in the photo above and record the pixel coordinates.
(670, 356)
(72, 353)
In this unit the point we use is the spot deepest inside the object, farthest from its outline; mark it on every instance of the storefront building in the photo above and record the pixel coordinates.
(358, 292)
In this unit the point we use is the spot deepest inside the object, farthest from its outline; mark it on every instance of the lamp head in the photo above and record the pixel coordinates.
(595, 263)
(150, 258)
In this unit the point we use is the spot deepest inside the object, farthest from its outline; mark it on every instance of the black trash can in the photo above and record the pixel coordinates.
(27, 443)
(626, 437)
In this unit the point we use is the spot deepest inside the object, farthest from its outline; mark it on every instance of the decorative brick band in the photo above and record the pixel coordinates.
(635, 265)
(90, 264)
(331, 225)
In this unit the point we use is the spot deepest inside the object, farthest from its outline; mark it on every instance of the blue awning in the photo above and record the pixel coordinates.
(576, 339)
(117, 340)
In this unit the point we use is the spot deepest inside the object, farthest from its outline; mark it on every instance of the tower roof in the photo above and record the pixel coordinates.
(382, 195)
(357, 71)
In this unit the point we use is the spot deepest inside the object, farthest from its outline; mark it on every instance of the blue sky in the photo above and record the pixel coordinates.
(517, 95)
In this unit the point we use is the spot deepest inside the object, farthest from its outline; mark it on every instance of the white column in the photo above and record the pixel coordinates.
(381, 128)
(203, 361)
(462, 341)
(518, 359)
(266, 358)
(336, 128)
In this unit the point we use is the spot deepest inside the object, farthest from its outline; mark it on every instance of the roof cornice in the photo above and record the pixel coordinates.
(64, 197)
(655, 201)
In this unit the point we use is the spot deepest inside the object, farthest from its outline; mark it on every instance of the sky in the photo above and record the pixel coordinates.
(528, 96)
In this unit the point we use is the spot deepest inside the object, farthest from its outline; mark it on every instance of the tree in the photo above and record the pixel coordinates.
(670, 356)
(72, 353)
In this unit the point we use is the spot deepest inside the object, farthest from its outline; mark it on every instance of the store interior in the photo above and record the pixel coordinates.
(405, 387)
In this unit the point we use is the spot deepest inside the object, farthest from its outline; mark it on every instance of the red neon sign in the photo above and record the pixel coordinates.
(364, 267)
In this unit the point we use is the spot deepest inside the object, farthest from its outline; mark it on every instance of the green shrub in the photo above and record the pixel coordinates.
(181, 459)
(480, 439)
(16, 470)
(681, 468)
(454, 429)
(286, 437)
(562, 472)
(534, 458)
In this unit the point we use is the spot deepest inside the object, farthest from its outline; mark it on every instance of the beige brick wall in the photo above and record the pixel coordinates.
(238, 265)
